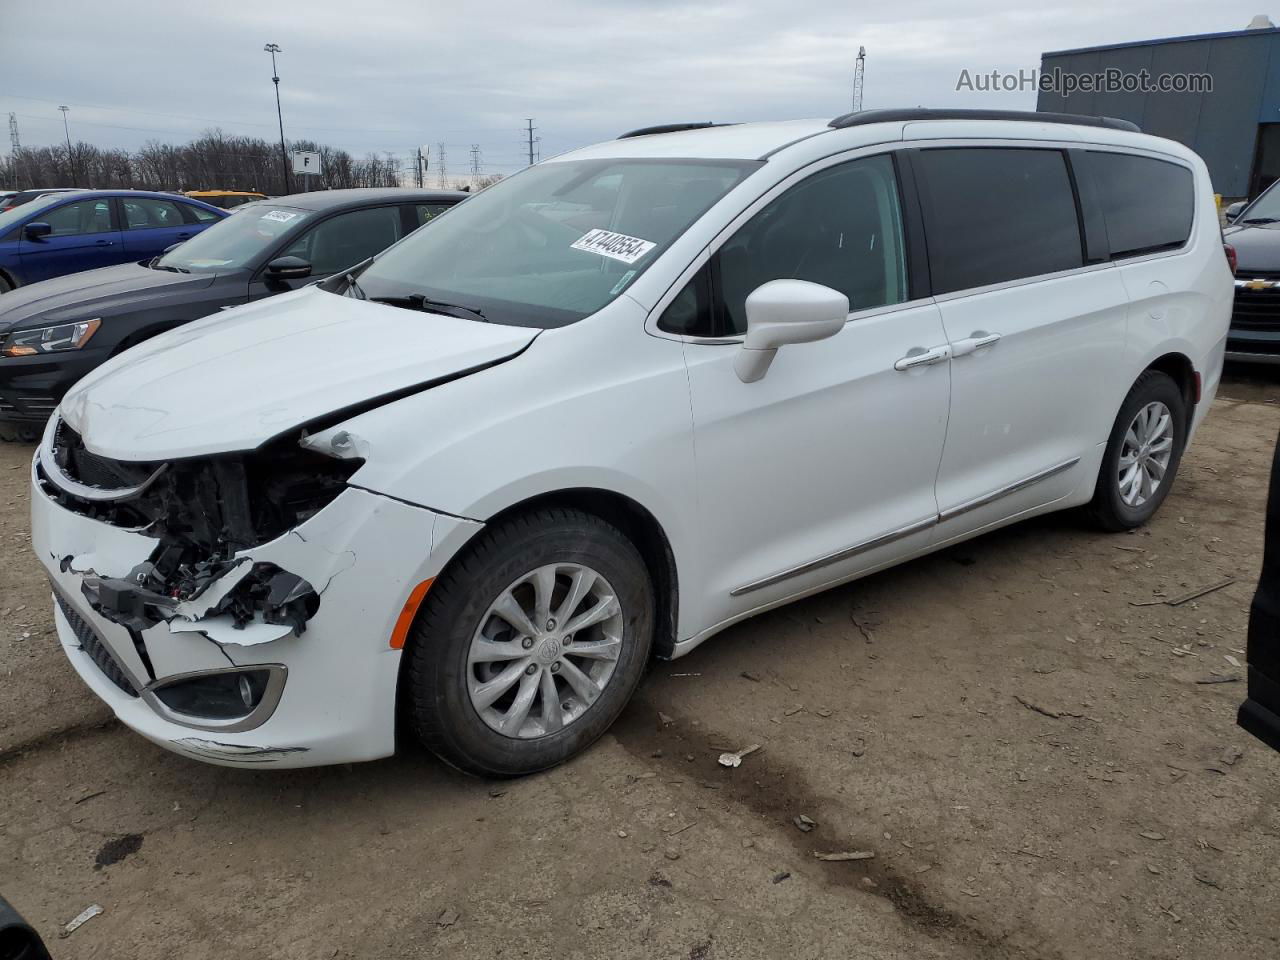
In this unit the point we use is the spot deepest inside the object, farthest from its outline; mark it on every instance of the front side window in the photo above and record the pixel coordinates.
(145, 213)
(841, 227)
(556, 242)
(84, 216)
(345, 240)
(994, 214)
(1147, 204)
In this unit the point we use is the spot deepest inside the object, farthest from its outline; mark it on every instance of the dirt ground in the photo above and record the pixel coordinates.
(1042, 769)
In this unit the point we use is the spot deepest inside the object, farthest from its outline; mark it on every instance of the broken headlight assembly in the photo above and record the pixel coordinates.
(54, 339)
(203, 512)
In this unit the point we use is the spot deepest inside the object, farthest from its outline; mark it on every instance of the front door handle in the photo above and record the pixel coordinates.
(920, 357)
(978, 340)
(104, 243)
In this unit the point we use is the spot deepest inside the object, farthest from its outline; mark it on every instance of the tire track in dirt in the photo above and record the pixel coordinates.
(775, 791)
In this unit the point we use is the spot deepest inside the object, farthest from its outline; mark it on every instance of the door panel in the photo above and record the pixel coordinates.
(831, 450)
(1034, 400)
(825, 467)
(83, 238)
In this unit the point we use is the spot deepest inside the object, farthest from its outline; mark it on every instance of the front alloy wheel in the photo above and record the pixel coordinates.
(529, 644)
(545, 650)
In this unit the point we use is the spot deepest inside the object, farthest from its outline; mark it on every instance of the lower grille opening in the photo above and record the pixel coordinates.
(92, 644)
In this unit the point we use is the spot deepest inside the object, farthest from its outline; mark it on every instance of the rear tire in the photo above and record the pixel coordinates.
(461, 649)
(1136, 473)
(5, 285)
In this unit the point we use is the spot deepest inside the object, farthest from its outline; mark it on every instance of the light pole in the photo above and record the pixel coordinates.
(67, 130)
(273, 49)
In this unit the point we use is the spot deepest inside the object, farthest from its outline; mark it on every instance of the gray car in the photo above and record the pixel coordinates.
(54, 332)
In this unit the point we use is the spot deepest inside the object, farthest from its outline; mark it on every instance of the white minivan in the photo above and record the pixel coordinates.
(610, 406)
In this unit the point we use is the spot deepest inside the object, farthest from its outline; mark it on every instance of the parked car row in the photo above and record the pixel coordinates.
(54, 332)
(605, 409)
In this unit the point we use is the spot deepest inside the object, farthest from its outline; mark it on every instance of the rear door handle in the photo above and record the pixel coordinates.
(921, 357)
(104, 243)
(978, 340)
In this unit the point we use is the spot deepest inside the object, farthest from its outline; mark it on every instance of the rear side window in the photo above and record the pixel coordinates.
(994, 214)
(1147, 204)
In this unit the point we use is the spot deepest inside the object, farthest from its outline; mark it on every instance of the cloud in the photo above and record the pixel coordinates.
(388, 75)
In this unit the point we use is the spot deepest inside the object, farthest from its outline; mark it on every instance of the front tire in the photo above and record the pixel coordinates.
(1142, 454)
(530, 644)
(20, 433)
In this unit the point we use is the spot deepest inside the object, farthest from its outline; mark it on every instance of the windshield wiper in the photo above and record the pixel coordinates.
(420, 301)
(1262, 220)
(155, 264)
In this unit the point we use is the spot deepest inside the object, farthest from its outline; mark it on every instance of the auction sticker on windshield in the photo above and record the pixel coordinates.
(284, 216)
(616, 246)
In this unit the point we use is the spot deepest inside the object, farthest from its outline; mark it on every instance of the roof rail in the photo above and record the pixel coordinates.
(670, 128)
(921, 113)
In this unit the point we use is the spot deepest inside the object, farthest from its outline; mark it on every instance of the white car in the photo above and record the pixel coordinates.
(612, 405)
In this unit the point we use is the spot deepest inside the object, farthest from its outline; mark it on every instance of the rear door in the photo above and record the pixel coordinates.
(1037, 330)
(83, 236)
(151, 225)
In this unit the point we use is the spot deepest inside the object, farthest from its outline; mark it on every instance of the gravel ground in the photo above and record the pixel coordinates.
(1033, 760)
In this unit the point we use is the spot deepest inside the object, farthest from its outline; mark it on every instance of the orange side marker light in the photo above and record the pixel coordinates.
(405, 620)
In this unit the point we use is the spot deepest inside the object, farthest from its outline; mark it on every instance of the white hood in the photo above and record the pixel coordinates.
(234, 380)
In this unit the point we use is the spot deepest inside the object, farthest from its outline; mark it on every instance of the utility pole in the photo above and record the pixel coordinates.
(859, 74)
(475, 160)
(67, 130)
(440, 164)
(15, 146)
(419, 168)
(273, 49)
(529, 132)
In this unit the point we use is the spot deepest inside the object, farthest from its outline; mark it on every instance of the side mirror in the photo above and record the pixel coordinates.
(787, 311)
(288, 268)
(1233, 212)
(37, 230)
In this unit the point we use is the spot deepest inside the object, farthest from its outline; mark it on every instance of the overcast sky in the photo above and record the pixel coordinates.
(388, 75)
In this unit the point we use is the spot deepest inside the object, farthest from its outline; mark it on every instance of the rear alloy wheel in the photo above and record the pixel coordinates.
(530, 643)
(1142, 454)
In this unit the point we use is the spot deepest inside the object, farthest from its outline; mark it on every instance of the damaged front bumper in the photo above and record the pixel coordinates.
(300, 626)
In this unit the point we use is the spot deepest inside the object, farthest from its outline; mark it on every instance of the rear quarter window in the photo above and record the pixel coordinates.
(1148, 204)
(994, 214)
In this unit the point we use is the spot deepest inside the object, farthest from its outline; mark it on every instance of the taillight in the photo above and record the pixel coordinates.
(1231, 256)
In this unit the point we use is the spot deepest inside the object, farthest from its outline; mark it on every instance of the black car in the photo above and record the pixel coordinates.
(54, 332)
(1260, 712)
(1254, 232)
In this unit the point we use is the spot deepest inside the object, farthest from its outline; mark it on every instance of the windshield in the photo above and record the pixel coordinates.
(11, 218)
(1266, 207)
(554, 243)
(233, 243)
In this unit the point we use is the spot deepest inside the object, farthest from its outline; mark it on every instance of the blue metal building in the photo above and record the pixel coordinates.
(1235, 126)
